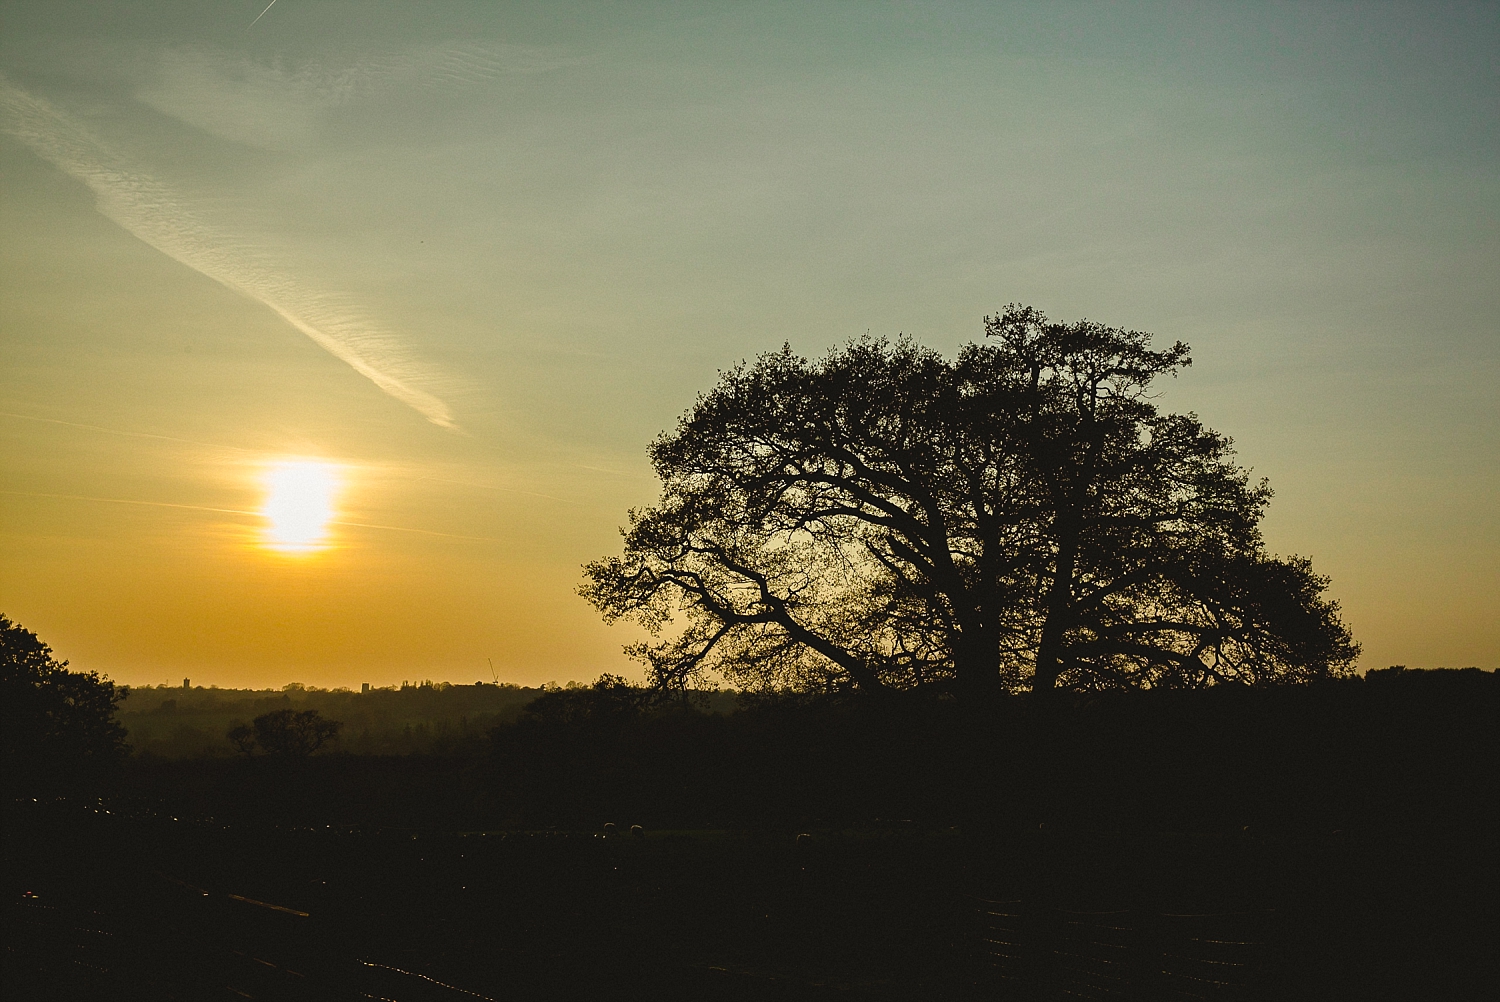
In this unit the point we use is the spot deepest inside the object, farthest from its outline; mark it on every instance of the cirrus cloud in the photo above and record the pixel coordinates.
(155, 213)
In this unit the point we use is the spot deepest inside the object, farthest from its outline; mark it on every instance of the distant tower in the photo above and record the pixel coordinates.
(186, 683)
(364, 687)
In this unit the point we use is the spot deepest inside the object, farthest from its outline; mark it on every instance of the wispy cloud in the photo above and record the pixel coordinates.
(153, 212)
(122, 432)
(274, 105)
(243, 100)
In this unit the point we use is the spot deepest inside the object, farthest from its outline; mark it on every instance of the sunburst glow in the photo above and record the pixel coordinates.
(299, 505)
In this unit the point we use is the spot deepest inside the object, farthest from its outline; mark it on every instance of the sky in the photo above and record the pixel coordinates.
(449, 267)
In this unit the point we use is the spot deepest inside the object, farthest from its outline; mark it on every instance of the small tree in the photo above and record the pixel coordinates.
(288, 733)
(59, 725)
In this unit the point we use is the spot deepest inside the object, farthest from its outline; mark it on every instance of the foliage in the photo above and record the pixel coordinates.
(286, 733)
(610, 697)
(59, 725)
(1021, 515)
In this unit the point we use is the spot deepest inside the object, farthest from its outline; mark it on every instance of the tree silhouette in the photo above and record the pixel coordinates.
(1019, 516)
(59, 725)
(242, 736)
(286, 733)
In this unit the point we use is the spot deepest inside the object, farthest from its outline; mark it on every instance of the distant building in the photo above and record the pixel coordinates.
(186, 683)
(364, 687)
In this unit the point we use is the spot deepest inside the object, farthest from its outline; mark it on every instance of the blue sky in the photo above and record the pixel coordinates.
(477, 255)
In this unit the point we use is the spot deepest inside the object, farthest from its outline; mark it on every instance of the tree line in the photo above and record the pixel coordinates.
(1396, 747)
(436, 719)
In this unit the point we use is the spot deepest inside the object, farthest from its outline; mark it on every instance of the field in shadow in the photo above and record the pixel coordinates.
(1332, 841)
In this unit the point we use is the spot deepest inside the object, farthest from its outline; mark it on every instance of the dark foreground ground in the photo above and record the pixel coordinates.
(1324, 842)
(105, 905)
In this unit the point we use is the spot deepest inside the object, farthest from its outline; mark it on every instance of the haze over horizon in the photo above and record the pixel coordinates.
(334, 342)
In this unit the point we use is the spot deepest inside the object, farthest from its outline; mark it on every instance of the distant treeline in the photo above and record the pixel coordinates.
(1417, 750)
(417, 719)
(167, 722)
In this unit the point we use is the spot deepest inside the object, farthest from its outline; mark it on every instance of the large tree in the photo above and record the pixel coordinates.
(1019, 516)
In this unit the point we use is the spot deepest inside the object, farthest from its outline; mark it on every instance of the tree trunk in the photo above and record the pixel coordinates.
(1071, 506)
(1059, 610)
(976, 657)
(977, 665)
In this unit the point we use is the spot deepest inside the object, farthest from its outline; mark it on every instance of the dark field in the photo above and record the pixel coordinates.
(1334, 842)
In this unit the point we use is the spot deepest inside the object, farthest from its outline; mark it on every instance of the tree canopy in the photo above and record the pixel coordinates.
(59, 725)
(1019, 516)
(285, 733)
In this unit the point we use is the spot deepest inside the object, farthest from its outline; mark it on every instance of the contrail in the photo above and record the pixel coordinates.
(124, 432)
(149, 504)
(262, 14)
(152, 212)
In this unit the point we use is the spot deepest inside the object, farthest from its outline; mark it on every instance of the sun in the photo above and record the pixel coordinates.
(299, 505)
